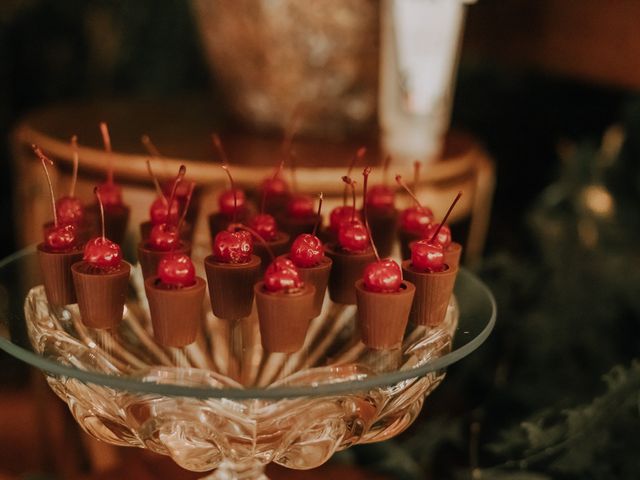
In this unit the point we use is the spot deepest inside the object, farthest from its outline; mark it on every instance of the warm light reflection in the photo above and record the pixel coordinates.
(599, 200)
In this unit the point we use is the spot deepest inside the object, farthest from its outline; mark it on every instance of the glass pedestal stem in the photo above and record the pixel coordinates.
(251, 470)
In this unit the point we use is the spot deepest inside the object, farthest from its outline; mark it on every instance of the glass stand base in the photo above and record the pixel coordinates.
(238, 471)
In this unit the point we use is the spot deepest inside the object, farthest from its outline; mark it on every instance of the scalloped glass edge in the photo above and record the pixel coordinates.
(135, 385)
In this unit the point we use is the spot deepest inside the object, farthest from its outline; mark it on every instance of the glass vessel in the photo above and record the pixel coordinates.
(222, 402)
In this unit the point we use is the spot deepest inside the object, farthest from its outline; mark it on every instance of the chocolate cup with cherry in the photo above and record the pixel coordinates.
(186, 230)
(452, 255)
(383, 317)
(84, 231)
(231, 286)
(279, 246)
(406, 238)
(284, 317)
(220, 221)
(433, 292)
(56, 274)
(318, 276)
(346, 270)
(383, 223)
(176, 313)
(150, 258)
(297, 226)
(101, 295)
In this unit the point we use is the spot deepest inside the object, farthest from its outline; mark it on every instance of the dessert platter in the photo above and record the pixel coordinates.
(281, 341)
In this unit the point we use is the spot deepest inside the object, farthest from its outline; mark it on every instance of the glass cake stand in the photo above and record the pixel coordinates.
(223, 403)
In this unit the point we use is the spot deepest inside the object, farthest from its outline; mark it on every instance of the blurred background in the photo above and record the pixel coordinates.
(546, 89)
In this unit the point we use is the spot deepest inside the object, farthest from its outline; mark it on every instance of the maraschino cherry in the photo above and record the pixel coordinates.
(58, 237)
(345, 213)
(232, 200)
(177, 270)
(382, 196)
(165, 236)
(307, 249)
(353, 235)
(416, 218)
(233, 246)
(100, 252)
(162, 210)
(110, 192)
(69, 208)
(264, 224)
(443, 237)
(282, 276)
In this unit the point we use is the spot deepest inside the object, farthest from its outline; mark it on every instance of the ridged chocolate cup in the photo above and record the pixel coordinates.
(406, 238)
(279, 246)
(219, 221)
(317, 276)
(56, 274)
(284, 317)
(452, 255)
(383, 223)
(346, 270)
(383, 317)
(433, 292)
(186, 230)
(175, 313)
(297, 226)
(150, 258)
(231, 286)
(101, 296)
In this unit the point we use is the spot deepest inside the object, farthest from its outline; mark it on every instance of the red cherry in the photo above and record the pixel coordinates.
(383, 276)
(339, 215)
(282, 276)
(182, 190)
(301, 206)
(226, 201)
(265, 225)
(306, 251)
(61, 238)
(69, 210)
(353, 236)
(233, 247)
(427, 257)
(111, 194)
(177, 270)
(274, 186)
(159, 212)
(444, 235)
(416, 219)
(164, 237)
(102, 253)
(381, 197)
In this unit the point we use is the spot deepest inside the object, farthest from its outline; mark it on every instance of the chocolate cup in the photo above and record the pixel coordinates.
(383, 223)
(452, 255)
(297, 226)
(101, 296)
(150, 258)
(317, 276)
(346, 270)
(231, 286)
(186, 231)
(284, 317)
(383, 317)
(175, 313)
(219, 221)
(279, 246)
(433, 292)
(56, 273)
(405, 238)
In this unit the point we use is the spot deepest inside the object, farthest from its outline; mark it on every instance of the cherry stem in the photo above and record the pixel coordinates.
(385, 170)
(44, 159)
(291, 129)
(346, 179)
(149, 146)
(315, 227)
(106, 139)
(362, 151)
(156, 183)
(446, 217)
(416, 174)
(242, 226)
(365, 174)
(293, 159)
(218, 144)
(179, 178)
(76, 161)
(225, 167)
(264, 191)
(96, 192)
(400, 182)
(192, 187)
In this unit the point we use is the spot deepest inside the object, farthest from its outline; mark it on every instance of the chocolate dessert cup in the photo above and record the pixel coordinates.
(406, 237)
(186, 231)
(317, 276)
(284, 317)
(347, 268)
(383, 223)
(176, 312)
(101, 295)
(150, 258)
(452, 255)
(279, 246)
(297, 226)
(56, 274)
(383, 317)
(231, 286)
(433, 292)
